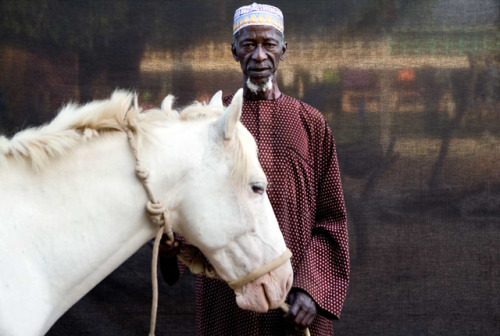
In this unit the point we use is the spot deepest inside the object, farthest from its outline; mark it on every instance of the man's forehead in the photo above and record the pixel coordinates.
(259, 32)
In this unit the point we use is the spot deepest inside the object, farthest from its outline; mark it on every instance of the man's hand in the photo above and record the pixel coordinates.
(167, 249)
(302, 309)
(168, 261)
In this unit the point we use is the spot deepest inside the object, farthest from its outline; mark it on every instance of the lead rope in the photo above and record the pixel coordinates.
(158, 215)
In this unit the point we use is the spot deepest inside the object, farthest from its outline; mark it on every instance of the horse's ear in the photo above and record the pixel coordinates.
(166, 104)
(227, 122)
(216, 100)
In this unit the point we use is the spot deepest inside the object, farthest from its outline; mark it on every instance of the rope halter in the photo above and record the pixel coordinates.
(158, 215)
(254, 275)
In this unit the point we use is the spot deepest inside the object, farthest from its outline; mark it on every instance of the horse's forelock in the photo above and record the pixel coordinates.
(244, 144)
(245, 151)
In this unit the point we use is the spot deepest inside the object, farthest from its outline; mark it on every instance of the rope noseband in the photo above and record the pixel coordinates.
(254, 275)
(236, 284)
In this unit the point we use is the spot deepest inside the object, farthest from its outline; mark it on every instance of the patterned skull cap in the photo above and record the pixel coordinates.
(258, 14)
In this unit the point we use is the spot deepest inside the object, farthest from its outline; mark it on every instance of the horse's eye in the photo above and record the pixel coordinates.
(258, 188)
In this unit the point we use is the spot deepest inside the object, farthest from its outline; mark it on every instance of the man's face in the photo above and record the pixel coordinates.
(259, 50)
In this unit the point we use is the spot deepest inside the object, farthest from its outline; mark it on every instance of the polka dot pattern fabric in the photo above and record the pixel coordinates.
(297, 153)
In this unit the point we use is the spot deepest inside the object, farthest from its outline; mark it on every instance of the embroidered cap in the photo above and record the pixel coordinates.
(258, 14)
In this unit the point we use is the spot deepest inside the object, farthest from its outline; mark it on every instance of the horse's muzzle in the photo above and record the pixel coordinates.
(268, 291)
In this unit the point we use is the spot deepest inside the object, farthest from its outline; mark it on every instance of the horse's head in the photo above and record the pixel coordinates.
(223, 208)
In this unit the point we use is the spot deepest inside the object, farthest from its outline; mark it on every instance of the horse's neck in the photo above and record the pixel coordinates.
(68, 228)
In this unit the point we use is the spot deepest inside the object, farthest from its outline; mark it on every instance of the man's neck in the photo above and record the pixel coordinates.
(271, 94)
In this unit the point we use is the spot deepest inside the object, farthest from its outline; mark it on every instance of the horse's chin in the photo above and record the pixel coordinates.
(267, 292)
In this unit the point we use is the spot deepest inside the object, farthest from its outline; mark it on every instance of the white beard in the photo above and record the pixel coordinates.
(256, 88)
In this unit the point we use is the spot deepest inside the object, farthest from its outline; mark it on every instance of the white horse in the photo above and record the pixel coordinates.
(72, 209)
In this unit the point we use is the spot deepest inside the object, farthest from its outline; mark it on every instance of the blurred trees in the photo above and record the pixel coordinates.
(108, 36)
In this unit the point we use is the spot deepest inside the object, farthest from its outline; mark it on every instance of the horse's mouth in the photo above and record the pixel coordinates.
(267, 292)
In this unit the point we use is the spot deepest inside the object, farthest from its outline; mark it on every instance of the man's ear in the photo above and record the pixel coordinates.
(283, 51)
(233, 50)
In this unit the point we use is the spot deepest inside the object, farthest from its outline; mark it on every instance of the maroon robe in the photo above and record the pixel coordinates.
(297, 153)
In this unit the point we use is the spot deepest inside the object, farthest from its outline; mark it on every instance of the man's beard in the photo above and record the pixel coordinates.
(256, 88)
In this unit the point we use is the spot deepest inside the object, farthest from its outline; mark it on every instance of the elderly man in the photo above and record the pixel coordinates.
(297, 152)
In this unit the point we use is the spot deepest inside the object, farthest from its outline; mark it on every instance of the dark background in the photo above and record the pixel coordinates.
(410, 89)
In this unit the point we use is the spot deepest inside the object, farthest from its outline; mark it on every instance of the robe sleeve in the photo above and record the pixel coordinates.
(324, 270)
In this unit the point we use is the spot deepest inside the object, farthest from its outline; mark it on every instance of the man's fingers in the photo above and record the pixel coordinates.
(296, 313)
(294, 309)
(304, 317)
(302, 309)
(300, 317)
(169, 243)
(169, 249)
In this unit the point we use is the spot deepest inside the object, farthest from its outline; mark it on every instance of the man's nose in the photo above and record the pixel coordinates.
(259, 54)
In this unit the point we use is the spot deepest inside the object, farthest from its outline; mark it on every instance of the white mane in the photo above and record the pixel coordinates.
(75, 125)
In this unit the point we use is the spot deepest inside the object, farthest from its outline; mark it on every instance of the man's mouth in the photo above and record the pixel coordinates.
(259, 72)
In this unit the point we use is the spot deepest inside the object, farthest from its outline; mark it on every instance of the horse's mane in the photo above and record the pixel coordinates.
(75, 125)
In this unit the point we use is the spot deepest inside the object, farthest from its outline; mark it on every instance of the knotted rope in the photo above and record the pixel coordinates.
(236, 284)
(158, 215)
